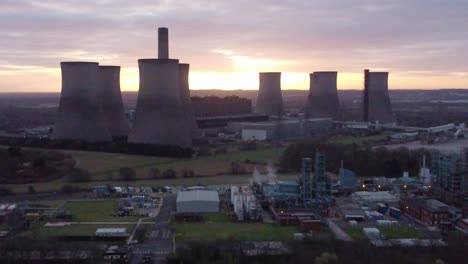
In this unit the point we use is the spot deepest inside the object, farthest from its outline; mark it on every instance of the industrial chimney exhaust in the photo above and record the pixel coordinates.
(163, 43)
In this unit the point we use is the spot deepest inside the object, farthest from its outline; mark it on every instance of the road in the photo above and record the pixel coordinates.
(339, 233)
(161, 241)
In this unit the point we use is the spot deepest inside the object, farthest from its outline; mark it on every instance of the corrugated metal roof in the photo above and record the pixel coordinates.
(197, 195)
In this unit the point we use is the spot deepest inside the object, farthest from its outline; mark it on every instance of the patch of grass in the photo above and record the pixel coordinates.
(48, 203)
(96, 211)
(356, 233)
(3, 227)
(233, 231)
(260, 155)
(216, 217)
(397, 232)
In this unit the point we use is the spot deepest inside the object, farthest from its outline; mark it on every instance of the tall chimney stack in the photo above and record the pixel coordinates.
(163, 43)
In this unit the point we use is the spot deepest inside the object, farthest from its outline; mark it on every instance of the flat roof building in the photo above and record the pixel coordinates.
(372, 199)
(197, 201)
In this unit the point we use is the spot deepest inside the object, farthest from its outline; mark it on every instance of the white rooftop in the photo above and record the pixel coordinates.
(197, 195)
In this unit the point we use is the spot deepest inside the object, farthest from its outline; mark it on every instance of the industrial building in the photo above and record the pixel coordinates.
(323, 96)
(112, 106)
(282, 129)
(246, 206)
(431, 212)
(159, 116)
(80, 114)
(448, 170)
(270, 98)
(372, 199)
(377, 105)
(111, 232)
(197, 201)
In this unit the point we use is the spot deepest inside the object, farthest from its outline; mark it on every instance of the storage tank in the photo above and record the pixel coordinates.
(270, 98)
(80, 115)
(323, 95)
(112, 105)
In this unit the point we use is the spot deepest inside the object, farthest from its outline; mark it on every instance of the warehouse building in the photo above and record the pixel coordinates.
(282, 129)
(372, 199)
(197, 201)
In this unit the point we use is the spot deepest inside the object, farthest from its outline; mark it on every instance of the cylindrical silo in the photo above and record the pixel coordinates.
(323, 95)
(377, 105)
(163, 43)
(109, 78)
(80, 115)
(159, 115)
(185, 97)
(270, 99)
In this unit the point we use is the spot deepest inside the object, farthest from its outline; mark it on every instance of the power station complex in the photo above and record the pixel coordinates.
(91, 107)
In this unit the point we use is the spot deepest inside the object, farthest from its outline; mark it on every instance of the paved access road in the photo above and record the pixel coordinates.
(161, 241)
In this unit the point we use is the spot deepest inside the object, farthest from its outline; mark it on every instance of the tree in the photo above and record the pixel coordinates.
(31, 189)
(79, 175)
(188, 173)
(169, 174)
(154, 173)
(127, 174)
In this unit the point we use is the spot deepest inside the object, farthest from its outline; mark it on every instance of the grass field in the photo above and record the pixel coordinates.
(261, 155)
(96, 211)
(48, 203)
(233, 231)
(3, 227)
(396, 232)
(71, 230)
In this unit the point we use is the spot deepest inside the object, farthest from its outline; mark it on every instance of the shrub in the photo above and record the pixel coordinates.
(79, 175)
(169, 174)
(127, 174)
(31, 189)
(154, 173)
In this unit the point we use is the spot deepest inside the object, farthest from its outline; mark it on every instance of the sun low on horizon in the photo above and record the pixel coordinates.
(226, 51)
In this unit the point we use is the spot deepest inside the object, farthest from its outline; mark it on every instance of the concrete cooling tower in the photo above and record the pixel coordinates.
(323, 96)
(159, 116)
(185, 97)
(270, 99)
(80, 115)
(109, 78)
(377, 106)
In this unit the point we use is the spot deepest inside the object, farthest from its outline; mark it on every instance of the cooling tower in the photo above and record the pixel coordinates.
(185, 98)
(377, 106)
(270, 99)
(159, 114)
(323, 96)
(80, 115)
(112, 106)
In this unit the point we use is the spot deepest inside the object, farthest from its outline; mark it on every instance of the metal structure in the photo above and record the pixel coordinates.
(159, 116)
(80, 115)
(185, 98)
(112, 106)
(376, 103)
(270, 98)
(307, 186)
(449, 170)
(323, 95)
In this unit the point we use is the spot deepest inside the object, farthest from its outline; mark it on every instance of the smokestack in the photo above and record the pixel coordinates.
(377, 105)
(270, 99)
(163, 43)
(323, 95)
(159, 115)
(185, 97)
(80, 115)
(109, 77)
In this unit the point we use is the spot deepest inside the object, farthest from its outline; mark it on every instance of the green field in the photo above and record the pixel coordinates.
(48, 203)
(261, 155)
(71, 230)
(395, 232)
(96, 211)
(233, 231)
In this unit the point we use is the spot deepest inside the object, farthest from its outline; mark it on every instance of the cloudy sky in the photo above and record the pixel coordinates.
(423, 43)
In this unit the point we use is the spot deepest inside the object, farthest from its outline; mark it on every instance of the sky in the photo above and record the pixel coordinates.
(423, 43)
